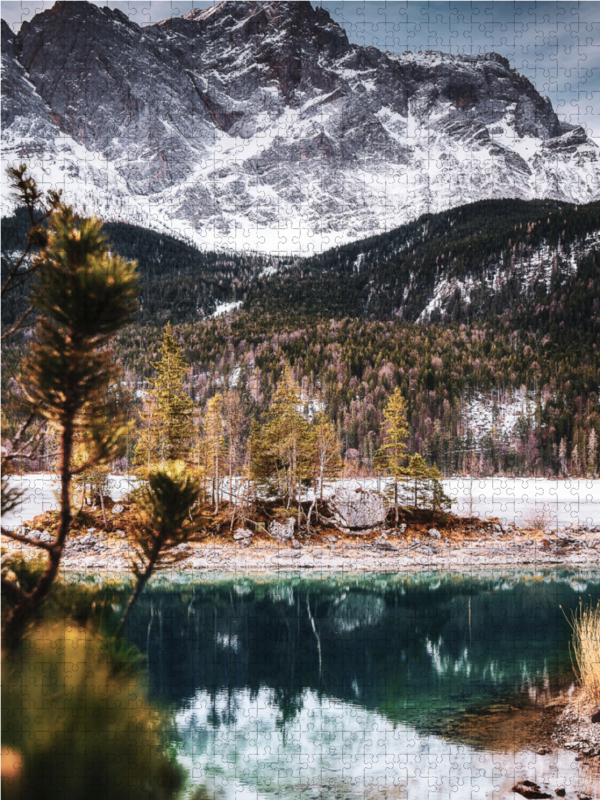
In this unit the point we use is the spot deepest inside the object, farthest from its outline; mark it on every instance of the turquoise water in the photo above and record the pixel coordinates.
(349, 686)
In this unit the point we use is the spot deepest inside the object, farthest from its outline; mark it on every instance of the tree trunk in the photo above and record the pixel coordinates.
(30, 602)
(103, 510)
(142, 581)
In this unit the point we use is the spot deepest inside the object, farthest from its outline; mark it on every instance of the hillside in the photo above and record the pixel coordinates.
(178, 281)
(488, 259)
(478, 260)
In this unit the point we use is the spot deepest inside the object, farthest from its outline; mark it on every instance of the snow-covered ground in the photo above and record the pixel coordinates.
(226, 308)
(497, 413)
(557, 503)
(39, 494)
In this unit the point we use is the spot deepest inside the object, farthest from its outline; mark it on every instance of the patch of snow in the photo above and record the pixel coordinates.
(226, 308)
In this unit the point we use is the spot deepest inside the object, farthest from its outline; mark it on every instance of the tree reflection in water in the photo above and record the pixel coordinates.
(268, 672)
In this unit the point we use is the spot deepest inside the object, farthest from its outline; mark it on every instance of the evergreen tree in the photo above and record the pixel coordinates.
(93, 479)
(419, 476)
(282, 453)
(395, 434)
(167, 430)
(164, 521)
(84, 295)
(17, 271)
(438, 499)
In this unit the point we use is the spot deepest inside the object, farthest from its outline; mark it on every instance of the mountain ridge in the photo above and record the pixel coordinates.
(260, 126)
(490, 259)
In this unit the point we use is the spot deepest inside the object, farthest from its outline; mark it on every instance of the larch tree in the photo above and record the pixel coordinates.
(393, 453)
(592, 453)
(234, 416)
(214, 444)
(327, 456)
(84, 295)
(167, 430)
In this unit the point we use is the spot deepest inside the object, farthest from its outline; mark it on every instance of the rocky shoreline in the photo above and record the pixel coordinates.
(463, 544)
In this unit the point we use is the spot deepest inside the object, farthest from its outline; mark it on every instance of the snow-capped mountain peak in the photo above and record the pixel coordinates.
(259, 125)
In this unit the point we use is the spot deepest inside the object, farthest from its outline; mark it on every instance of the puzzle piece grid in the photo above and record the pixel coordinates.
(340, 749)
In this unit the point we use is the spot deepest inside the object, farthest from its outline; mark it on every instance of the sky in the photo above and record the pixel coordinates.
(555, 44)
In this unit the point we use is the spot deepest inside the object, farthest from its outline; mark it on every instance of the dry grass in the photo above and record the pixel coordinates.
(585, 623)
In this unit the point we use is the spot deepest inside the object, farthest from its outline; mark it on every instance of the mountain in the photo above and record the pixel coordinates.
(258, 125)
(475, 261)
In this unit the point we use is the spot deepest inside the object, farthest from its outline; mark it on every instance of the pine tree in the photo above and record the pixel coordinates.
(164, 521)
(93, 479)
(438, 499)
(167, 432)
(84, 295)
(419, 475)
(392, 455)
(328, 460)
(22, 268)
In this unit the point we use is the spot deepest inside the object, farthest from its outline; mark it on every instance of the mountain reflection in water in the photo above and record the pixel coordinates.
(333, 687)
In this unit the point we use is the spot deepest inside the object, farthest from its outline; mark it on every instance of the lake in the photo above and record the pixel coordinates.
(396, 686)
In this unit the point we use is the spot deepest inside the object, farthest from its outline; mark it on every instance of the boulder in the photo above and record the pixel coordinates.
(356, 510)
(296, 544)
(41, 536)
(282, 531)
(434, 533)
(118, 509)
(242, 534)
(529, 789)
(382, 543)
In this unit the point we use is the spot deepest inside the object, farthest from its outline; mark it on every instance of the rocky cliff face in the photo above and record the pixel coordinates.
(259, 125)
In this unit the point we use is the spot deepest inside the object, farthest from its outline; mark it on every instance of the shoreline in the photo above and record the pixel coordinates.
(458, 544)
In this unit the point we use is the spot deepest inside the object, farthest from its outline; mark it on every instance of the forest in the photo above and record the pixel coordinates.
(505, 384)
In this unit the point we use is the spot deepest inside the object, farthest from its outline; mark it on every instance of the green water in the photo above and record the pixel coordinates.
(351, 686)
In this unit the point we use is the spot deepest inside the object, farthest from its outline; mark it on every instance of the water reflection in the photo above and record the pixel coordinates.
(342, 685)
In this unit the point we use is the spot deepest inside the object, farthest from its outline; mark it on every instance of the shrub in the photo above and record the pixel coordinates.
(73, 729)
(586, 649)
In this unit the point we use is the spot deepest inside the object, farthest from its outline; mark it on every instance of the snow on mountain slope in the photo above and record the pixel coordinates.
(258, 125)
(534, 265)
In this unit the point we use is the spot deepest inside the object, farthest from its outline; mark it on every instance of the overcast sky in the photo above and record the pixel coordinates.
(555, 44)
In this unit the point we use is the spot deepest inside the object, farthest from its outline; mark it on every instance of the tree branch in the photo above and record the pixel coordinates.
(26, 540)
(18, 324)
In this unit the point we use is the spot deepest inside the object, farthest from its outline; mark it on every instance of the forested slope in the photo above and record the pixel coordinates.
(459, 265)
